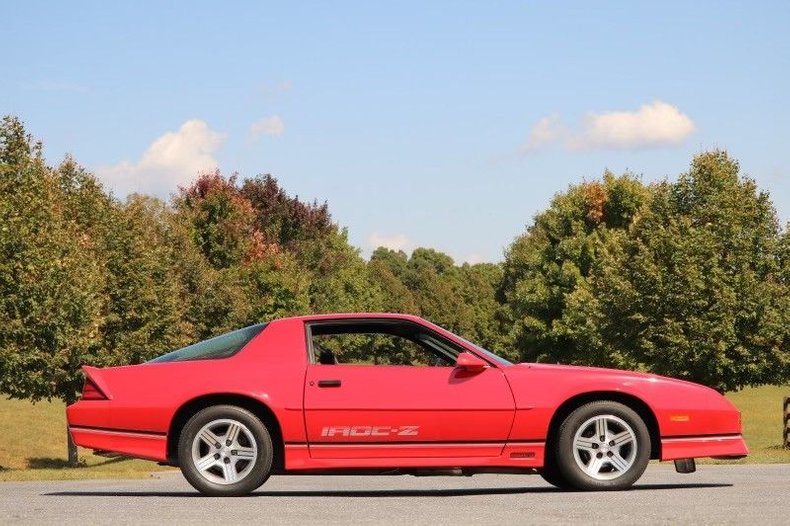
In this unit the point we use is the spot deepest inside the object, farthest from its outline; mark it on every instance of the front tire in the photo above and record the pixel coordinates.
(602, 446)
(225, 451)
(552, 475)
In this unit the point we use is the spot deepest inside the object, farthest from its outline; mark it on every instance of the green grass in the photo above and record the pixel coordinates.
(35, 439)
(761, 409)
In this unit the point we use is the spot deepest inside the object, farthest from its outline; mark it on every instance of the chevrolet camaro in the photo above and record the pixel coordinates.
(391, 393)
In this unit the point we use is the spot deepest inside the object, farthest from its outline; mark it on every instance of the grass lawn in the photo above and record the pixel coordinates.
(761, 408)
(35, 439)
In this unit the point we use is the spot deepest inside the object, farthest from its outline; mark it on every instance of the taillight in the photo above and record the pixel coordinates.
(91, 392)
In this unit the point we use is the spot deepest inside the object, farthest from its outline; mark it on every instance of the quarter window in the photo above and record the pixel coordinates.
(218, 347)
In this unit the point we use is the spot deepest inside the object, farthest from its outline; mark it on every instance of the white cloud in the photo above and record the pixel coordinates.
(172, 160)
(272, 126)
(654, 124)
(395, 242)
(547, 130)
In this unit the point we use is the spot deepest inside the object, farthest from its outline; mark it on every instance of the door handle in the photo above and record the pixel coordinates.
(329, 383)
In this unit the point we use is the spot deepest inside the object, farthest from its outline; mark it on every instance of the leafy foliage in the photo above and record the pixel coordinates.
(429, 284)
(50, 273)
(145, 306)
(221, 220)
(689, 278)
(695, 291)
(549, 266)
(686, 279)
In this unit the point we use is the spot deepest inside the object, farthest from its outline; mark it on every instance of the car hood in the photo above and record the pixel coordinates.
(583, 369)
(579, 372)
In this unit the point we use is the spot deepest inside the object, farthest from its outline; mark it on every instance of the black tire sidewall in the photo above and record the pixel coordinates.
(572, 474)
(263, 464)
(552, 475)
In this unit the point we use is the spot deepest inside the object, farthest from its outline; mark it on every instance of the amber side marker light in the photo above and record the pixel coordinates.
(679, 418)
(91, 392)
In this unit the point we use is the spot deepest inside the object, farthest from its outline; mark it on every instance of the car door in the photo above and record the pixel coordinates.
(373, 410)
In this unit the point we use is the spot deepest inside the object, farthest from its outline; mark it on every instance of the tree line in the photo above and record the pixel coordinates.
(688, 277)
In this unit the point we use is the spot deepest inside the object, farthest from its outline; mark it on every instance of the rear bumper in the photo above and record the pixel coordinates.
(152, 446)
(724, 446)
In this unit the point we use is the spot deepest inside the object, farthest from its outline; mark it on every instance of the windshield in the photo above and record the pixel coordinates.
(214, 348)
(498, 359)
(485, 352)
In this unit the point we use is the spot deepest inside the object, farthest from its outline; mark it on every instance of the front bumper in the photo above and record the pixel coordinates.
(719, 446)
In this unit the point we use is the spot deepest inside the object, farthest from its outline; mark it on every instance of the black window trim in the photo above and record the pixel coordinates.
(311, 354)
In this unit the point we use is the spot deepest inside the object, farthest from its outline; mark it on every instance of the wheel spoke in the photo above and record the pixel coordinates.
(585, 443)
(245, 452)
(619, 463)
(206, 462)
(594, 467)
(229, 472)
(232, 434)
(601, 427)
(208, 437)
(622, 438)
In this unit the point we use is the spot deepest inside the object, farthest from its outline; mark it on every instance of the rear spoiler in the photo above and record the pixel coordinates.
(96, 377)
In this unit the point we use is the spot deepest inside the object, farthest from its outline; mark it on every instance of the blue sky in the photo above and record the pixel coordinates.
(440, 124)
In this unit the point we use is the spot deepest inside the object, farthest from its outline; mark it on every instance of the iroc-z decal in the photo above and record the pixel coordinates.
(370, 431)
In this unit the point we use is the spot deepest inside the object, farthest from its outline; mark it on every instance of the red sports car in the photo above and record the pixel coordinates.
(391, 393)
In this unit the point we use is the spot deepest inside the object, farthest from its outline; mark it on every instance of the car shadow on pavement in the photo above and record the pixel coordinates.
(60, 463)
(457, 492)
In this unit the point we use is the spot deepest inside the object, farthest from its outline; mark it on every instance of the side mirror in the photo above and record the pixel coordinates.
(469, 362)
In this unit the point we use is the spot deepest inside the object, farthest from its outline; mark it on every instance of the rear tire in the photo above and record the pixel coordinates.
(225, 451)
(602, 445)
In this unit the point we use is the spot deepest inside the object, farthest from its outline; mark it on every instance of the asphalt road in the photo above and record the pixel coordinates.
(743, 494)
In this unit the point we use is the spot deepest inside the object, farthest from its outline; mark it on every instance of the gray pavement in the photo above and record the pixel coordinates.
(743, 494)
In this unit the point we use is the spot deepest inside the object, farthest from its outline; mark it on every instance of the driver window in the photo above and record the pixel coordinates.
(367, 346)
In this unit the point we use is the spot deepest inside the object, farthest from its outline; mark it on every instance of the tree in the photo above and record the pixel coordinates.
(435, 282)
(479, 283)
(549, 265)
(145, 299)
(221, 219)
(50, 274)
(387, 269)
(696, 289)
(337, 275)
(429, 284)
(276, 286)
(284, 219)
(255, 278)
